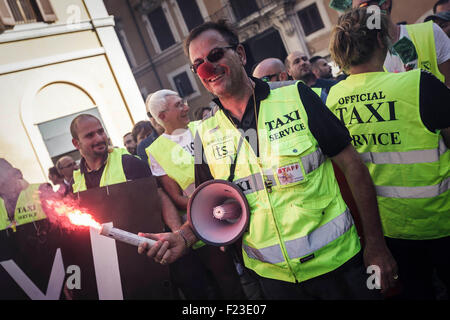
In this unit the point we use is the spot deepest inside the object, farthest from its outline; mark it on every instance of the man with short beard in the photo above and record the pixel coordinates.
(101, 166)
(129, 143)
(321, 68)
(299, 68)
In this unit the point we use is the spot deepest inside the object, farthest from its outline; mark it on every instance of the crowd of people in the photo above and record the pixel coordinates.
(345, 172)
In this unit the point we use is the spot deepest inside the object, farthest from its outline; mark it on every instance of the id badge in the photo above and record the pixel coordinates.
(290, 174)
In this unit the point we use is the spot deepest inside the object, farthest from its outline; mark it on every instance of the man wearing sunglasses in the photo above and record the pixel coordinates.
(301, 242)
(271, 69)
(431, 44)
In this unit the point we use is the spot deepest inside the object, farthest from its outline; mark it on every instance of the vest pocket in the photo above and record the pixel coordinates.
(287, 165)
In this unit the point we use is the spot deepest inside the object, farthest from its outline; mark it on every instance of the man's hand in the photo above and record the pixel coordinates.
(167, 249)
(381, 256)
(363, 190)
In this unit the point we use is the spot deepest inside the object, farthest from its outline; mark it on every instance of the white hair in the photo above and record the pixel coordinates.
(157, 102)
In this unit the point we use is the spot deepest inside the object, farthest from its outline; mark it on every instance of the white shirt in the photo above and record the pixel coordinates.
(393, 63)
(184, 139)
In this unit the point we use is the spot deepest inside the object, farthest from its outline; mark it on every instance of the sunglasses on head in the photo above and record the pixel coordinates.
(213, 56)
(269, 77)
(68, 166)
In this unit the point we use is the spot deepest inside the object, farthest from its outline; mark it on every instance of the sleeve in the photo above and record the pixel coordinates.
(434, 98)
(330, 133)
(442, 42)
(135, 168)
(156, 168)
(141, 152)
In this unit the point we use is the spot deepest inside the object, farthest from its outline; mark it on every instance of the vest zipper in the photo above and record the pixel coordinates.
(283, 249)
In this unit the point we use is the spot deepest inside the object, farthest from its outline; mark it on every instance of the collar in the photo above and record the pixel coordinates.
(262, 90)
(84, 167)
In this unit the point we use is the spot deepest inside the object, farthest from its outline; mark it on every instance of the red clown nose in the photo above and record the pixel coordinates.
(206, 70)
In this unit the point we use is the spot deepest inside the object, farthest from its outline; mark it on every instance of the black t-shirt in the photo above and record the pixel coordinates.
(133, 168)
(325, 84)
(331, 135)
(434, 102)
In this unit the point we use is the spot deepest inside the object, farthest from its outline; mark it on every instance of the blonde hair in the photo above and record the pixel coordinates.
(353, 42)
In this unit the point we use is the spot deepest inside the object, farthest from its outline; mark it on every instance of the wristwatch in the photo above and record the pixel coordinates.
(182, 233)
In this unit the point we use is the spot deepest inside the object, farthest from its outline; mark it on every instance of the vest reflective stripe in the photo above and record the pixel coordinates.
(303, 246)
(278, 84)
(408, 157)
(313, 160)
(413, 192)
(320, 237)
(270, 254)
(251, 183)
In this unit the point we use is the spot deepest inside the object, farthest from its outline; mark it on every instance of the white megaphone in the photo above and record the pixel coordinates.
(218, 212)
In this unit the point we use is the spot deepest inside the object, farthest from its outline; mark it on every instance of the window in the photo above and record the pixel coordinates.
(14, 12)
(243, 9)
(160, 25)
(183, 81)
(191, 13)
(183, 84)
(57, 137)
(310, 19)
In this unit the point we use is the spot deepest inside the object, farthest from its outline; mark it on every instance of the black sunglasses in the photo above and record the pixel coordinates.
(269, 77)
(213, 56)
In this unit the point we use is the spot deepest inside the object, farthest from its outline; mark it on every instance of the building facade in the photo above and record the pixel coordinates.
(152, 33)
(60, 58)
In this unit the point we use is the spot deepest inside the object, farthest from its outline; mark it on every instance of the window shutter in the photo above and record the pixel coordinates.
(28, 11)
(46, 9)
(6, 15)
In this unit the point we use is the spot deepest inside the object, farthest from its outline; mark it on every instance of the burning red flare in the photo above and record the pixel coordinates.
(75, 215)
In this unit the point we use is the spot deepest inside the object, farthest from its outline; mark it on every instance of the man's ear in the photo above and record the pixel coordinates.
(284, 76)
(380, 41)
(242, 55)
(288, 72)
(315, 72)
(76, 143)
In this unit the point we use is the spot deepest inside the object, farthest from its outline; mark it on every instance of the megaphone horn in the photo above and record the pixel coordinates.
(218, 212)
